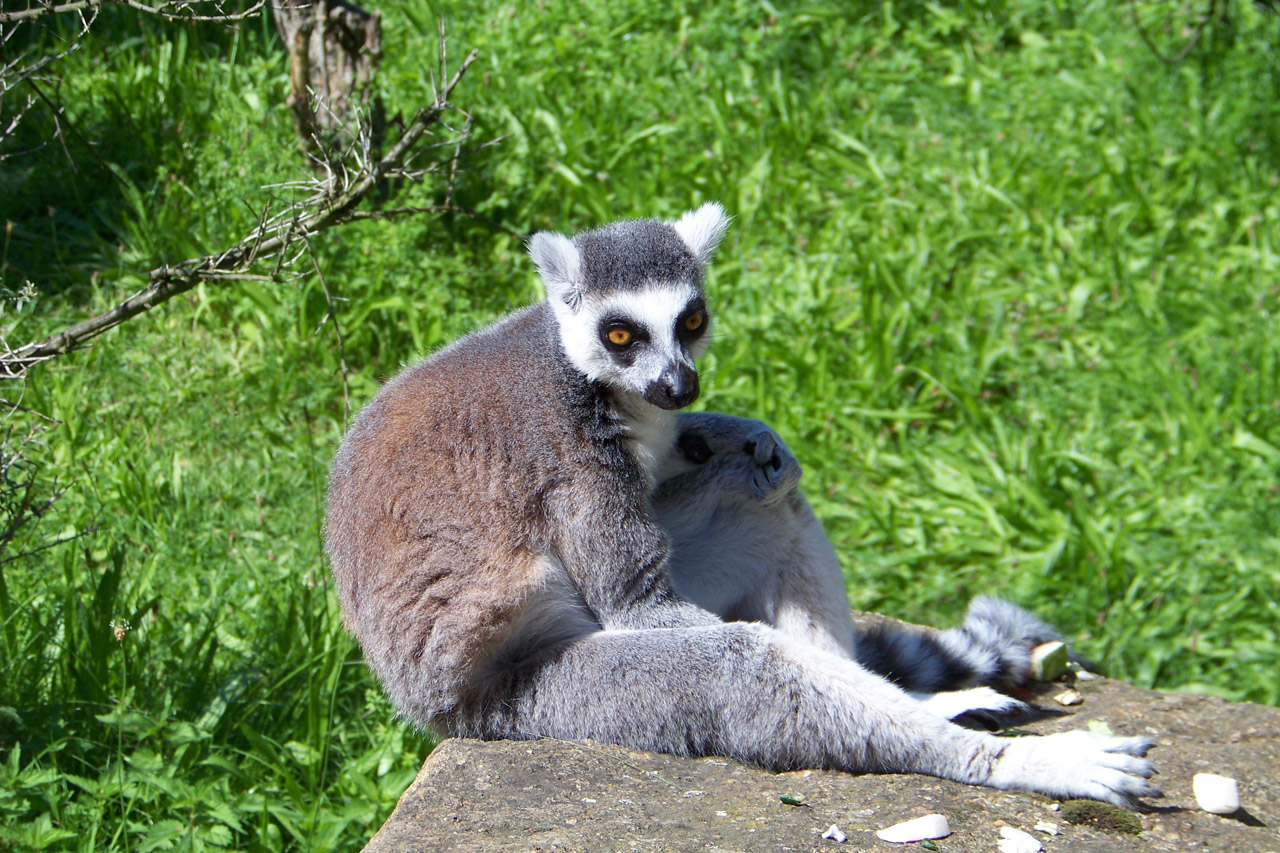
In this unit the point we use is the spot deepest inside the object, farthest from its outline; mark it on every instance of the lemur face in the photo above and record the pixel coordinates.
(630, 304)
(643, 341)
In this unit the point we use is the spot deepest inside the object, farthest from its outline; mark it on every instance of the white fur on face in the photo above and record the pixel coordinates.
(654, 309)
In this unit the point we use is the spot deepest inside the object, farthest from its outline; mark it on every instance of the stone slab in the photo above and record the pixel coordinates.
(582, 796)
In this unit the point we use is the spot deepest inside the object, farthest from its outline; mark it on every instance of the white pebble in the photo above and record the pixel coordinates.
(1216, 794)
(1048, 660)
(835, 835)
(1069, 697)
(929, 826)
(1046, 827)
(1016, 841)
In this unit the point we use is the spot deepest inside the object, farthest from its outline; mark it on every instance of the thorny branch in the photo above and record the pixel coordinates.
(333, 202)
(14, 73)
(22, 68)
(174, 10)
(19, 502)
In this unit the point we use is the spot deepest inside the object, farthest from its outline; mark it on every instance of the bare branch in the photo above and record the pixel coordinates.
(19, 503)
(59, 118)
(176, 10)
(181, 11)
(14, 73)
(333, 205)
(47, 9)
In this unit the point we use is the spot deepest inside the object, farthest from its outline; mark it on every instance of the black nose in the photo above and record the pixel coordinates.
(676, 388)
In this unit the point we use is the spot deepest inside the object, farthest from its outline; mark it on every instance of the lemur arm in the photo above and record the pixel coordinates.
(617, 556)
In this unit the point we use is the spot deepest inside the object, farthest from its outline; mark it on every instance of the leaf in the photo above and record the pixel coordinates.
(1100, 727)
(1245, 440)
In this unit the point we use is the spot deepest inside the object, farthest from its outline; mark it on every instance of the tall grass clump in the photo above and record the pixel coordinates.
(1006, 282)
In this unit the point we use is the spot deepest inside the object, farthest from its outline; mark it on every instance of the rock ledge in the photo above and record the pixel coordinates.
(583, 796)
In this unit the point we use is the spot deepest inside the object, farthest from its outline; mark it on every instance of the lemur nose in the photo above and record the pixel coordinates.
(676, 388)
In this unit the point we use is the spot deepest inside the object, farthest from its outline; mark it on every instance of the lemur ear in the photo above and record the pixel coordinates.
(702, 229)
(560, 265)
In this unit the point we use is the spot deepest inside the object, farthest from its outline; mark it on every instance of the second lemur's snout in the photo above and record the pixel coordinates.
(676, 388)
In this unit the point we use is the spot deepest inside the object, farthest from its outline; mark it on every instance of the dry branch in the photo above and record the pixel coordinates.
(335, 203)
(174, 10)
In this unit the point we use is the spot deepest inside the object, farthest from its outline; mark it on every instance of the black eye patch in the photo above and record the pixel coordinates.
(694, 448)
(692, 322)
(619, 335)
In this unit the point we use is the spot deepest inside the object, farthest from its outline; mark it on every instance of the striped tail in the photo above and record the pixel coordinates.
(992, 648)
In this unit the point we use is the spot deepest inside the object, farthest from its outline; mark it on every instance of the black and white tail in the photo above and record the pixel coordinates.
(992, 648)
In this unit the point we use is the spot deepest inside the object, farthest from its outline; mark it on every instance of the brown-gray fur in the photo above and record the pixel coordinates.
(495, 554)
(457, 487)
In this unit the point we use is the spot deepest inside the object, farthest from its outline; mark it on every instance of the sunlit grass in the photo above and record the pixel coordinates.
(1006, 284)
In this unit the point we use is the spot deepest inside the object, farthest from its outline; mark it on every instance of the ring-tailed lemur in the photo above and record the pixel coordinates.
(490, 533)
(747, 547)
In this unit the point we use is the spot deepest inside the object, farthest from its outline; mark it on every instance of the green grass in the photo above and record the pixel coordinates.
(1007, 285)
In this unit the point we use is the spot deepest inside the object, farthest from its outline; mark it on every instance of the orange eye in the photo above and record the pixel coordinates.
(619, 337)
(694, 321)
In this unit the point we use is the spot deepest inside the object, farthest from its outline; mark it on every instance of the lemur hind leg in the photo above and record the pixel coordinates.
(746, 691)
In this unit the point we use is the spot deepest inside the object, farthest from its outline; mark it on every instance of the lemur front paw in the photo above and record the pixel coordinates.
(776, 471)
(1081, 765)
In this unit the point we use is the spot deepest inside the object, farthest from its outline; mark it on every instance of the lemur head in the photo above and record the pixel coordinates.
(629, 301)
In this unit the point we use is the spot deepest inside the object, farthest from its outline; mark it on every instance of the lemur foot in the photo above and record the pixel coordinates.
(1079, 764)
(776, 471)
(738, 450)
(980, 704)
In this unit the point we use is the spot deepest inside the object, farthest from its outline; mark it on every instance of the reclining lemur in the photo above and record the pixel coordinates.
(497, 554)
(746, 546)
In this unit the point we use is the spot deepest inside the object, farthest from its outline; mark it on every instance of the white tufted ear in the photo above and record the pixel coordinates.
(702, 229)
(560, 266)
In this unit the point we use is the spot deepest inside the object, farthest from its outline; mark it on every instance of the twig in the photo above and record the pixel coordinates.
(46, 9)
(337, 330)
(1187, 48)
(46, 546)
(453, 162)
(18, 407)
(180, 13)
(392, 212)
(335, 204)
(59, 116)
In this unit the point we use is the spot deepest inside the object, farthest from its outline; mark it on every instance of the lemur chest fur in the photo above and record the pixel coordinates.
(649, 434)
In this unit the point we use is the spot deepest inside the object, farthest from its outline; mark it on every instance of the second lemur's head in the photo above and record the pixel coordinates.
(629, 301)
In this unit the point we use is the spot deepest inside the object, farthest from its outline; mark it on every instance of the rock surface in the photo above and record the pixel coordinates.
(583, 796)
